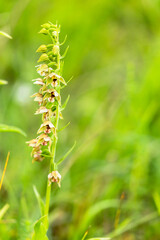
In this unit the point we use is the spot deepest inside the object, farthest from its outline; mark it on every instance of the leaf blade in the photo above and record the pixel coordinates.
(5, 34)
(7, 128)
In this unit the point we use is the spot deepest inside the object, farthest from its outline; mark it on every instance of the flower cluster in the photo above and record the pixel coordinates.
(48, 96)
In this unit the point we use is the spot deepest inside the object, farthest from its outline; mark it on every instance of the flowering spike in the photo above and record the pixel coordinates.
(48, 96)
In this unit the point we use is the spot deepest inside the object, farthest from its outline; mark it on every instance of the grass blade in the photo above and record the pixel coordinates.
(3, 210)
(5, 34)
(4, 170)
(6, 128)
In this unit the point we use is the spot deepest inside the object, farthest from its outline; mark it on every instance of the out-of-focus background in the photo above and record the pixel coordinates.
(111, 181)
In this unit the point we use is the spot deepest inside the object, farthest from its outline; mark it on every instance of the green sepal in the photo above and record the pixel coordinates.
(42, 48)
(43, 58)
(52, 64)
(43, 31)
(50, 105)
(46, 25)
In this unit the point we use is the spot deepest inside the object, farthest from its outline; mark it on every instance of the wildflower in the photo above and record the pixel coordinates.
(51, 95)
(43, 139)
(54, 176)
(32, 143)
(38, 81)
(47, 127)
(42, 69)
(37, 155)
(38, 97)
(42, 48)
(41, 110)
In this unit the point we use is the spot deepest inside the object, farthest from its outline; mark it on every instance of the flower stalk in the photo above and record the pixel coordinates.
(48, 97)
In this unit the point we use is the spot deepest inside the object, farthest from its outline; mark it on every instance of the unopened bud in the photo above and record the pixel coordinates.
(55, 49)
(43, 58)
(46, 25)
(44, 31)
(42, 48)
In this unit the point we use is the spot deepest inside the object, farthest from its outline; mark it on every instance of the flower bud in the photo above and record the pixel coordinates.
(54, 176)
(43, 31)
(42, 48)
(55, 49)
(43, 58)
(46, 25)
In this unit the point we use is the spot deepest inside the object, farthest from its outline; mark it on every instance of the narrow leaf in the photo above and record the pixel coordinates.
(40, 201)
(84, 236)
(66, 155)
(40, 230)
(6, 128)
(1, 181)
(3, 210)
(156, 198)
(65, 103)
(5, 34)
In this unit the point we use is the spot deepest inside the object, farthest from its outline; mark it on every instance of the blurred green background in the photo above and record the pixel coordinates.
(114, 110)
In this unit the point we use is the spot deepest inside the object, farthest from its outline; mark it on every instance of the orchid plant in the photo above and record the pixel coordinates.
(50, 82)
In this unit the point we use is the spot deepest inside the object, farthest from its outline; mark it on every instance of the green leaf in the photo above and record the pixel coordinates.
(66, 155)
(3, 210)
(5, 34)
(40, 230)
(156, 198)
(65, 103)
(131, 225)
(40, 201)
(3, 82)
(92, 213)
(6, 128)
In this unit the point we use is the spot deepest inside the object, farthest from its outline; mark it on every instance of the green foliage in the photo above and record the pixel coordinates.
(40, 201)
(40, 230)
(3, 210)
(6, 128)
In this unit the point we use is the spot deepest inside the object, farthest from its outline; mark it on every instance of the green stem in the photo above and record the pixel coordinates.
(52, 161)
